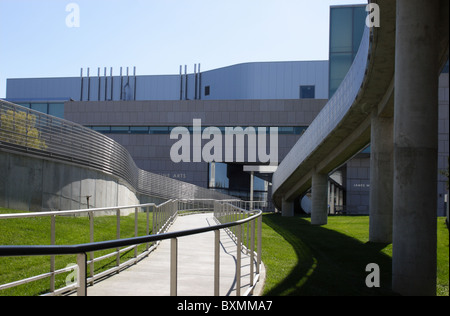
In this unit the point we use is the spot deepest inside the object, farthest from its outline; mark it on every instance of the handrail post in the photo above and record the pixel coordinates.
(81, 275)
(118, 237)
(136, 230)
(52, 258)
(259, 247)
(216, 262)
(173, 266)
(91, 238)
(252, 254)
(154, 229)
(147, 229)
(238, 260)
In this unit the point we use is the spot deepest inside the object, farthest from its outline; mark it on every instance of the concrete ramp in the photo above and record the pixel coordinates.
(151, 276)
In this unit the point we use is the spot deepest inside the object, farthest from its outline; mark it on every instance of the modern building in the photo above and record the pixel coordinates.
(286, 95)
(140, 112)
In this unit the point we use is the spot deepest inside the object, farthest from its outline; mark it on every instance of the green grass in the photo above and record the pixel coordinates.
(69, 231)
(302, 259)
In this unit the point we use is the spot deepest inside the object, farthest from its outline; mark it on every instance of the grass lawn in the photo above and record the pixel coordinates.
(302, 259)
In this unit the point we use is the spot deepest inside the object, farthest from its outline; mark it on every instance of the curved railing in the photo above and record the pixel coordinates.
(330, 116)
(27, 131)
(227, 213)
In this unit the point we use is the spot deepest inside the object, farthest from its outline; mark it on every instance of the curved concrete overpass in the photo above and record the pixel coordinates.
(323, 148)
(406, 52)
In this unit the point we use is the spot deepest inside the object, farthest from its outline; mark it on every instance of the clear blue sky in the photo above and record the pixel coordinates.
(157, 36)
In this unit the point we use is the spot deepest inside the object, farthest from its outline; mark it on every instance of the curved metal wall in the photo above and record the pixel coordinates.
(26, 131)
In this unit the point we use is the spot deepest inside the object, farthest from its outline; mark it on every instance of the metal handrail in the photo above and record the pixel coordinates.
(81, 250)
(162, 218)
(12, 251)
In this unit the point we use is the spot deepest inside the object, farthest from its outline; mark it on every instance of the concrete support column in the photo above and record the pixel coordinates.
(415, 148)
(381, 179)
(319, 210)
(332, 198)
(340, 199)
(287, 209)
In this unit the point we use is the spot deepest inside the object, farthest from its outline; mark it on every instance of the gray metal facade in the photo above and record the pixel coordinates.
(268, 80)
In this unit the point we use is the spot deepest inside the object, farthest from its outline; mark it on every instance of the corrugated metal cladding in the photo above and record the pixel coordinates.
(266, 80)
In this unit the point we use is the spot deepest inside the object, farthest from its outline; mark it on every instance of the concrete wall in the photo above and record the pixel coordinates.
(34, 184)
(358, 185)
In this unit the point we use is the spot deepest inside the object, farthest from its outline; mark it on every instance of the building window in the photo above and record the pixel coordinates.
(139, 129)
(40, 107)
(347, 25)
(120, 129)
(56, 109)
(207, 90)
(307, 92)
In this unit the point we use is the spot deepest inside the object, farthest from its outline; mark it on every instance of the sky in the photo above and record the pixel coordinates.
(49, 38)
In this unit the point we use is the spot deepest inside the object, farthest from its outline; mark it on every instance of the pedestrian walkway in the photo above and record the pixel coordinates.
(151, 276)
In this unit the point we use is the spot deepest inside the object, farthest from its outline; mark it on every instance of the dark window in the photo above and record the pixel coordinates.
(56, 109)
(40, 107)
(120, 129)
(159, 130)
(102, 129)
(207, 90)
(307, 92)
(139, 129)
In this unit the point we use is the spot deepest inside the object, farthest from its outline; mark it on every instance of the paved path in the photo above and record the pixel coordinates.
(151, 276)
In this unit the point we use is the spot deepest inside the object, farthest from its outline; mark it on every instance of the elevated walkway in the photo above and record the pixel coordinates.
(151, 276)
(388, 100)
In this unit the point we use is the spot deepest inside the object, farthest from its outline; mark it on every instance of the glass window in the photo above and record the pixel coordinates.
(299, 130)
(159, 130)
(359, 23)
(341, 28)
(120, 129)
(56, 109)
(346, 29)
(218, 175)
(41, 107)
(339, 66)
(307, 92)
(285, 130)
(102, 129)
(259, 184)
(207, 90)
(139, 129)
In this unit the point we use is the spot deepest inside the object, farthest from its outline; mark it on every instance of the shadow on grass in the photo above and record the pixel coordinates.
(329, 263)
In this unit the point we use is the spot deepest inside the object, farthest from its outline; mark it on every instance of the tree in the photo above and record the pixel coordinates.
(19, 128)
